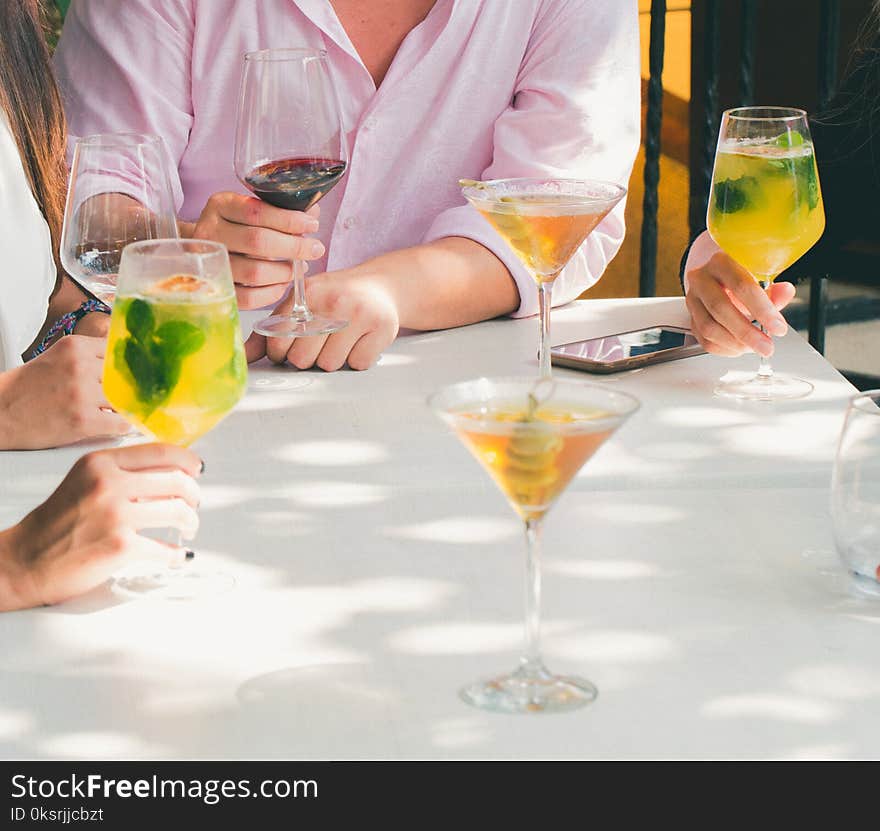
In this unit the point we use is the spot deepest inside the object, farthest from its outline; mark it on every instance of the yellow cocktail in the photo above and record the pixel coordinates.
(765, 211)
(766, 206)
(175, 363)
(174, 367)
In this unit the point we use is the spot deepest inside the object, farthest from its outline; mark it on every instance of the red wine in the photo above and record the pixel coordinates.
(295, 184)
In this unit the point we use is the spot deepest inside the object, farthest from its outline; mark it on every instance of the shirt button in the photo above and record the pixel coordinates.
(350, 223)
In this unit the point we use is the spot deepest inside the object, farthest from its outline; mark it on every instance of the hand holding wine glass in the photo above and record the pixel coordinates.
(290, 151)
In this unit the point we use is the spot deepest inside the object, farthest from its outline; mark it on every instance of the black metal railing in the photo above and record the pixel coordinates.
(707, 119)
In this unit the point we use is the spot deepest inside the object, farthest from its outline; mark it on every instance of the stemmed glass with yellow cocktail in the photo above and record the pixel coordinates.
(532, 436)
(544, 221)
(765, 211)
(175, 363)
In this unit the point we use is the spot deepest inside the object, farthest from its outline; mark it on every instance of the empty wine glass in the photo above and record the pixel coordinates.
(119, 192)
(855, 492)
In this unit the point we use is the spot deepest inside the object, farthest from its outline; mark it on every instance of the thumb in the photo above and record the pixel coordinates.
(255, 347)
(781, 294)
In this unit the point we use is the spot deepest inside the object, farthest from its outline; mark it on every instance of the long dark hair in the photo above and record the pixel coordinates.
(30, 99)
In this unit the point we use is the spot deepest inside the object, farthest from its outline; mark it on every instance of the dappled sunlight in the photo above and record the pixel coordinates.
(614, 646)
(479, 530)
(100, 744)
(841, 683)
(457, 638)
(603, 569)
(700, 417)
(14, 724)
(675, 451)
(817, 753)
(624, 512)
(327, 494)
(799, 436)
(272, 399)
(320, 693)
(222, 496)
(399, 594)
(333, 452)
(387, 359)
(799, 709)
(456, 733)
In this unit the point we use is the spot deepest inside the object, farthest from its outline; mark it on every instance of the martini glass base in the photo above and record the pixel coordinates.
(763, 388)
(530, 692)
(182, 583)
(284, 326)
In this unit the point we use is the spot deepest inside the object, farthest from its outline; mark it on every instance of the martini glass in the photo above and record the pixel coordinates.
(544, 221)
(532, 436)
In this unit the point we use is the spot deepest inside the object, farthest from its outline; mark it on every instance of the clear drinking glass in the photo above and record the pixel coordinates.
(290, 150)
(532, 436)
(119, 192)
(765, 211)
(544, 221)
(855, 492)
(174, 366)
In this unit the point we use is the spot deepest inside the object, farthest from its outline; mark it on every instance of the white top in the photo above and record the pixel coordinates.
(689, 572)
(27, 270)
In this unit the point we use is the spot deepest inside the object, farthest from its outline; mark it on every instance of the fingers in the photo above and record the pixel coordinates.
(304, 352)
(268, 244)
(712, 335)
(255, 347)
(257, 298)
(163, 513)
(162, 484)
(781, 294)
(248, 210)
(107, 423)
(139, 548)
(246, 271)
(336, 349)
(368, 349)
(740, 282)
(148, 456)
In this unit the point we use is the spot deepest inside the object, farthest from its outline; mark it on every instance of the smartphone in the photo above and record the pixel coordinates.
(627, 350)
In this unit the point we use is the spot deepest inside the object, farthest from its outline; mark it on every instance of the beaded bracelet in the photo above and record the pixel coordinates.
(67, 323)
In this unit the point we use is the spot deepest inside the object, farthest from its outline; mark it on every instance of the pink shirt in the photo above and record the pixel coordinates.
(480, 89)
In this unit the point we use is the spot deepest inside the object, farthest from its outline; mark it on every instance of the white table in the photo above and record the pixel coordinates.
(689, 574)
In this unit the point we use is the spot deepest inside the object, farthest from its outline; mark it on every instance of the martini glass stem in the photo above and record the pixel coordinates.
(545, 291)
(300, 310)
(531, 658)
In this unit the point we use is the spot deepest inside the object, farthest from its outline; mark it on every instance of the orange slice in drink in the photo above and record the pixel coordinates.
(179, 284)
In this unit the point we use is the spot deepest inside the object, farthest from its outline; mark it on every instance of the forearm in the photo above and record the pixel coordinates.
(452, 281)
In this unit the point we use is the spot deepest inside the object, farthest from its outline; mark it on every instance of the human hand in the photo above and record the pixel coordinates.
(88, 528)
(262, 240)
(723, 298)
(365, 302)
(94, 325)
(57, 398)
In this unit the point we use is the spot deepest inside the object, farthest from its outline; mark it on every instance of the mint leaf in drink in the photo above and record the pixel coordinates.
(790, 139)
(807, 181)
(732, 195)
(139, 320)
(140, 365)
(180, 338)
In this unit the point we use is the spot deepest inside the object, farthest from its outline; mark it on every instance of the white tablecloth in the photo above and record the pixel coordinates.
(689, 573)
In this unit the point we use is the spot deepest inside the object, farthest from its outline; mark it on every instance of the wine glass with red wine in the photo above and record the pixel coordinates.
(290, 150)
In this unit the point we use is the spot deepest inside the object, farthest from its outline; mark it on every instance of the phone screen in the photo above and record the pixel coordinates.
(627, 345)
